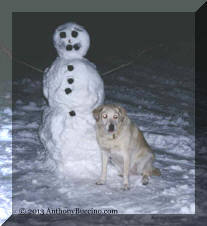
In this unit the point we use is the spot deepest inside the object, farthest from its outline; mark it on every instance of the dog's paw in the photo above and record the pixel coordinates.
(125, 187)
(100, 182)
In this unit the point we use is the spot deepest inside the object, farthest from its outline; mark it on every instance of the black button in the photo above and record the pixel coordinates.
(74, 34)
(62, 34)
(76, 47)
(70, 67)
(70, 80)
(69, 47)
(72, 113)
(68, 90)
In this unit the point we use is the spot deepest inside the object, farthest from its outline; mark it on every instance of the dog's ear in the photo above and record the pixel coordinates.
(122, 112)
(96, 112)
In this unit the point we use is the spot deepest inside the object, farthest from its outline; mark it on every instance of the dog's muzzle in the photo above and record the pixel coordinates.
(111, 128)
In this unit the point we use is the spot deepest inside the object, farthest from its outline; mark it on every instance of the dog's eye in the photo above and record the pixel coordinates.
(115, 116)
(105, 116)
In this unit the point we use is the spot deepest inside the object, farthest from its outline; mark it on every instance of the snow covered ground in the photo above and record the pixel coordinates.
(5, 152)
(159, 97)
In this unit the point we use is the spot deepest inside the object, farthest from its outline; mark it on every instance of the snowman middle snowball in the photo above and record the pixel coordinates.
(73, 88)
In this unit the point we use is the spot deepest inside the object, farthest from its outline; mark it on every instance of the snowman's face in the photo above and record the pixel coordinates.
(71, 40)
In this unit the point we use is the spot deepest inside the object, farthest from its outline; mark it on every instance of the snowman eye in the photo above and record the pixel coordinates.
(115, 116)
(62, 34)
(104, 116)
(74, 34)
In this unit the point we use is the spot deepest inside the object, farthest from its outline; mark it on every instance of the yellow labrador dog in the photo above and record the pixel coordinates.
(124, 143)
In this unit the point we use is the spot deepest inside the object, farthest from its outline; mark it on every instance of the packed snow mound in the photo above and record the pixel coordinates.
(75, 84)
(73, 89)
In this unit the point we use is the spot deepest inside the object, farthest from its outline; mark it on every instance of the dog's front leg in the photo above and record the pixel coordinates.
(126, 172)
(104, 156)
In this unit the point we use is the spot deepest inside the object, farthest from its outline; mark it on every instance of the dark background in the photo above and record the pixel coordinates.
(111, 33)
(201, 71)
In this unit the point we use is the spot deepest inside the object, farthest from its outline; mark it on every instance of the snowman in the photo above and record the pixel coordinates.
(73, 88)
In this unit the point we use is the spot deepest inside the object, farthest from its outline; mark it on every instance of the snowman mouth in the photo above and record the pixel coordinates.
(69, 47)
(76, 47)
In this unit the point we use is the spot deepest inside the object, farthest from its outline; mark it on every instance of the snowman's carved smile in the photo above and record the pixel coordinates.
(76, 47)
(69, 47)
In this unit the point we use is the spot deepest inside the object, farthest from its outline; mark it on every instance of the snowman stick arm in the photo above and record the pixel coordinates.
(28, 65)
(8, 52)
(131, 62)
(117, 68)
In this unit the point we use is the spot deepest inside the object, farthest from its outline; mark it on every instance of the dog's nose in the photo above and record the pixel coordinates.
(111, 128)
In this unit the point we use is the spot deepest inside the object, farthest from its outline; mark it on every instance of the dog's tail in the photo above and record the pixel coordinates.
(156, 172)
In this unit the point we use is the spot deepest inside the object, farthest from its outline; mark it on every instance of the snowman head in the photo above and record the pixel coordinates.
(71, 40)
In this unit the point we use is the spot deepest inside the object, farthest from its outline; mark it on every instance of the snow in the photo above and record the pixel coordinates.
(158, 97)
(31, 106)
(86, 89)
(73, 89)
(5, 153)
(61, 132)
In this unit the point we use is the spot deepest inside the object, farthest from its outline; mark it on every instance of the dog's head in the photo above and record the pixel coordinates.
(110, 117)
